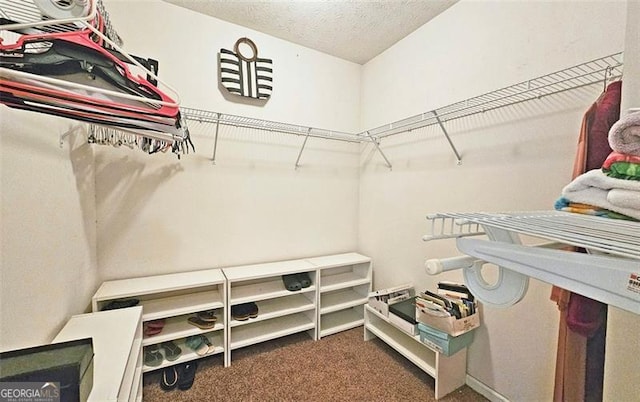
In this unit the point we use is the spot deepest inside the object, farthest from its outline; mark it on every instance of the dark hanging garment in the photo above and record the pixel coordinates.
(581, 337)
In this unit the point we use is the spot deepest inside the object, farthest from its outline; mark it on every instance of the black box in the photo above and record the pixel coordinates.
(69, 364)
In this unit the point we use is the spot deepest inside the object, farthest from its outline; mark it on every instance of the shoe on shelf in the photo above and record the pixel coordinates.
(186, 375)
(207, 342)
(240, 312)
(252, 309)
(198, 322)
(304, 279)
(196, 344)
(169, 378)
(120, 303)
(171, 350)
(291, 282)
(153, 327)
(152, 356)
(209, 316)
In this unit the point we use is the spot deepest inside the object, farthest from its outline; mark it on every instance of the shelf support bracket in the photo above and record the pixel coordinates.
(302, 148)
(375, 142)
(446, 134)
(215, 141)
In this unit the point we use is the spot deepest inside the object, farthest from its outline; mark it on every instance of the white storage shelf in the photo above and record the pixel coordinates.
(174, 298)
(280, 312)
(117, 338)
(280, 306)
(344, 282)
(449, 372)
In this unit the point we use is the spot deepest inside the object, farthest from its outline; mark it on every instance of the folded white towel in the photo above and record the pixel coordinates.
(597, 189)
(624, 135)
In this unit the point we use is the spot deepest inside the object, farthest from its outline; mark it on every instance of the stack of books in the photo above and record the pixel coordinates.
(450, 300)
(451, 309)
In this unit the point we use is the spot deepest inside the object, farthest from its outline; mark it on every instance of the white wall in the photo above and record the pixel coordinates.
(48, 270)
(157, 214)
(515, 158)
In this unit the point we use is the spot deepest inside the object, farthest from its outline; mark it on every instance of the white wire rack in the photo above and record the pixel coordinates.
(217, 119)
(606, 235)
(609, 273)
(596, 71)
(592, 72)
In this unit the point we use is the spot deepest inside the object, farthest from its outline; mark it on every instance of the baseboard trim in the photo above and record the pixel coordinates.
(484, 390)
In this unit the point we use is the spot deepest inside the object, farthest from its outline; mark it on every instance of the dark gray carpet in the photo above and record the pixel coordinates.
(340, 367)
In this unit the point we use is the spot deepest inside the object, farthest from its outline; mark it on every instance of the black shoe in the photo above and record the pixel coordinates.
(186, 375)
(122, 303)
(291, 282)
(304, 279)
(240, 312)
(169, 378)
(252, 309)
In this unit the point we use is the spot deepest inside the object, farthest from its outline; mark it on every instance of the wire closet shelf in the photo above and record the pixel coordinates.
(592, 72)
(204, 116)
(597, 71)
(611, 236)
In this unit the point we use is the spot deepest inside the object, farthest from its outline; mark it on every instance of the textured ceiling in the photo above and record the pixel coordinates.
(355, 30)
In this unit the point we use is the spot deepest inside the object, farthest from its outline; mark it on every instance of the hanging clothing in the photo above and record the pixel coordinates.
(582, 329)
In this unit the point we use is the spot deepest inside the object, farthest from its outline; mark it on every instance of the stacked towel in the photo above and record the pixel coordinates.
(614, 189)
(597, 189)
(624, 136)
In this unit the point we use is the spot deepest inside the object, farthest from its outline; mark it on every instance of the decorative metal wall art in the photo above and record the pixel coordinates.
(246, 75)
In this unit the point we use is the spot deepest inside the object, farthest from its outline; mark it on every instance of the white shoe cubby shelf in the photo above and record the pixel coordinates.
(117, 349)
(174, 298)
(449, 372)
(344, 285)
(280, 312)
(333, 302)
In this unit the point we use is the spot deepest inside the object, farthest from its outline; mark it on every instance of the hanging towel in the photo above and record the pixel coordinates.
(624, 136)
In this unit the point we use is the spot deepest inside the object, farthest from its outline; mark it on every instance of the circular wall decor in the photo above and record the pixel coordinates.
(248, 42)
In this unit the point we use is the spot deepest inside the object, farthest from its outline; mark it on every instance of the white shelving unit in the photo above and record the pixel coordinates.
(117, 348)
(344, 285)
(449, 372)
(174, 298)
(280, 312)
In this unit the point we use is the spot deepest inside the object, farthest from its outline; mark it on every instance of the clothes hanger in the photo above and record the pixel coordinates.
(74, 52)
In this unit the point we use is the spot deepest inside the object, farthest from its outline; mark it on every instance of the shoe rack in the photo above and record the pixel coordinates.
(343, 288)
(333, 302)
(280, 312)
(173, 298)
